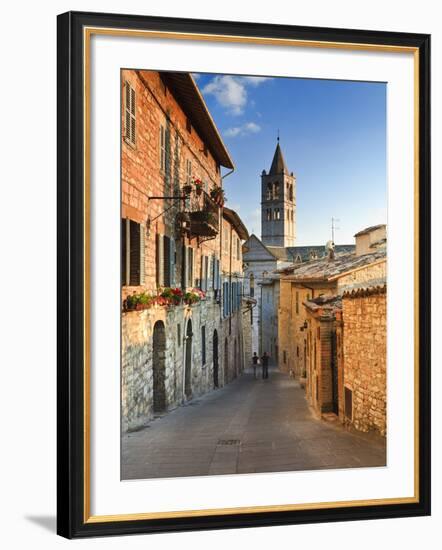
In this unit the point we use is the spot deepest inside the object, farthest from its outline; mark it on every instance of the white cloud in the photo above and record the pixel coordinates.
(231, 91)
(255, 80)
(244, 130)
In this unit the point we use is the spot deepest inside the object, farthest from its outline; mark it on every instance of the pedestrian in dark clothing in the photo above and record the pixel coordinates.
(255, 360)
(265, 365)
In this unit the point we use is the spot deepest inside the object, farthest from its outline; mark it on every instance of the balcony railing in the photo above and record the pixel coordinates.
(204, 216)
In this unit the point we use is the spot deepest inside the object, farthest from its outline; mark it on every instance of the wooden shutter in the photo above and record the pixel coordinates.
(207, 272)
(159, 257)
(218, 275)
(130, 113)
(142, 254)
(134, 267)
(172, 261)
(162, 148)
(123, 252)
(166, 261)
(191, 264)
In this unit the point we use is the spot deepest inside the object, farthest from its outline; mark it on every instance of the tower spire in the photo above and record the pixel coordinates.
(278, 164)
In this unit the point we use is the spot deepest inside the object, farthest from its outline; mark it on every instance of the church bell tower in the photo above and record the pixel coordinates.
(278, 204)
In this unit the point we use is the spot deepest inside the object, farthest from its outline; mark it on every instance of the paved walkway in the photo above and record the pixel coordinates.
(247, 426)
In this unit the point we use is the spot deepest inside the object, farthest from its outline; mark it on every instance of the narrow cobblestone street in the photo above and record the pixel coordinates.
(247, 426)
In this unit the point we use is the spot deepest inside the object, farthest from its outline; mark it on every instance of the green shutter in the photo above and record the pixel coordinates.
(172, 261)
(166, 261)
(142, 254)
(159, 260)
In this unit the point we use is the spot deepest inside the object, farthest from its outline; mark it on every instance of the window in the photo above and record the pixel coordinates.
(297, 302)
(203, 345)
(129, 114)
(276, 190)
(226, 300)
(165, 260)
(276, 214)
(252, 285)
(297, 351)
(188, 172)
(204, 273)
(238, 249)
(178, 334)
(132, 253)
(189, 266)
(162, 148)
(269, 214)
(269, 191)
(226, 239)
(188, 125)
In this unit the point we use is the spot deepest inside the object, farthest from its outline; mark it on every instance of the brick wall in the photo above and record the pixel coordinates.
(365, 351)
(143, 176)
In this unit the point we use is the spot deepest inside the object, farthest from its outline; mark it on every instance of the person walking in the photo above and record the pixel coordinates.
(255, 361)
(265, 365)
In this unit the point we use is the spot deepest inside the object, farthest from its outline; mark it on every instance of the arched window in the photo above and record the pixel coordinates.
(252, 285)
(291, 192)
(276, 190)
(269, 191)
(269, 214)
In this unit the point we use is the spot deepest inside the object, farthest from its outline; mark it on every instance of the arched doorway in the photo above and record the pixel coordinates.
(215, 359)
(159, 367)
(226, 360)
(188, 362)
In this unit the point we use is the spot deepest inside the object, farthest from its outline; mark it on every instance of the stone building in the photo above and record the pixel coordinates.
(235, 322)
(364, 357)
(332, 333)
(176, 272)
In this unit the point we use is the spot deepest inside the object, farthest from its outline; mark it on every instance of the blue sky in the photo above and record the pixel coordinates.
(333, 137)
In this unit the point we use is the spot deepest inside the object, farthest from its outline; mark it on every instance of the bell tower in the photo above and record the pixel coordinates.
(278, 204)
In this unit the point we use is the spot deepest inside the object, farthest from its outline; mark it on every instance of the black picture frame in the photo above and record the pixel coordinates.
(72, 520)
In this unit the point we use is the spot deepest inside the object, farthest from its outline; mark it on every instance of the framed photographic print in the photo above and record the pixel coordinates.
(243, 274)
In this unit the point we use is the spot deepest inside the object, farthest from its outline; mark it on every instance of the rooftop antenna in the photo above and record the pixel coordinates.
(334, 228)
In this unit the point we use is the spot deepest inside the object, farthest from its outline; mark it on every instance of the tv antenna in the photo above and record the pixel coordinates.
(334, 227)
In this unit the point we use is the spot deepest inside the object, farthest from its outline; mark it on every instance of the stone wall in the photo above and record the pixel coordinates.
(137, 388)
(364, 357)
(372, 274)
(291, 317)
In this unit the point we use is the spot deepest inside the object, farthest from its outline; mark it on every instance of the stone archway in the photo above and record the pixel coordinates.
(215, 359)
(188, 362)
(159, 367)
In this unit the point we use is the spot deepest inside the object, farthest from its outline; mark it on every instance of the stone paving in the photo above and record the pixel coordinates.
(251, 425)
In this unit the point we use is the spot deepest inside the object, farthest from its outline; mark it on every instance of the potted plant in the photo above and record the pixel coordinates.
(218, 196)
(187, 189)
(198, 186)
